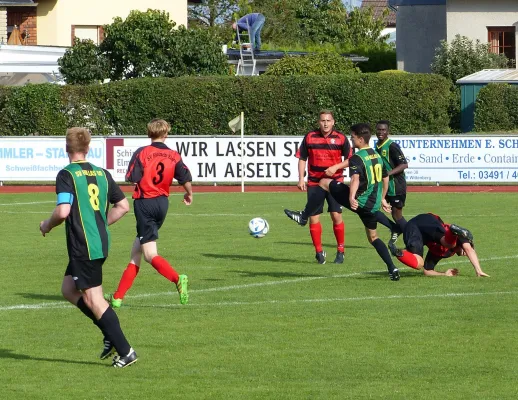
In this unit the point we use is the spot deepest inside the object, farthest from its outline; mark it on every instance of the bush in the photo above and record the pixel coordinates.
(312, 64)
(273, 105)
(492, 111)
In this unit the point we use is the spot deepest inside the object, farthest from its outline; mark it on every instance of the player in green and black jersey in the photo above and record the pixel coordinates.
(395, 163)
(84, 194)
(365, 195)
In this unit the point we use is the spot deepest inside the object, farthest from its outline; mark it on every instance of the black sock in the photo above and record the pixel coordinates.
(385, 221)
(384, 254)
(401, 224)
(109, 323)
(86, 311)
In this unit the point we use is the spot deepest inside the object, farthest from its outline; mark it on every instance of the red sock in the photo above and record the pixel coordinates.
(450, 238)
(164, 269)
(408, 259)
(339, 231)
(128, 276)
(315, 230)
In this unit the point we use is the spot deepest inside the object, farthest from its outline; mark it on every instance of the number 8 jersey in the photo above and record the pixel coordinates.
(152, 168)
(89, 190)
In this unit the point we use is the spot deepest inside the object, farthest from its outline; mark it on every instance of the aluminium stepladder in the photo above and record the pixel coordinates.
(247, 62)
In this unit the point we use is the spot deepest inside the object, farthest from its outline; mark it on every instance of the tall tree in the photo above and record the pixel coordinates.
(210, 13)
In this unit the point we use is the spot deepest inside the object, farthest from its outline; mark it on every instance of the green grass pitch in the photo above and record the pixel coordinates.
(265, 321)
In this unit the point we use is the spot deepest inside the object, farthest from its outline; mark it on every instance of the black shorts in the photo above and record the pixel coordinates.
(340, 192)
(397, 201)
(431, 261)
(86, 273)
(150, 215)
(422, 229)
(332, 204)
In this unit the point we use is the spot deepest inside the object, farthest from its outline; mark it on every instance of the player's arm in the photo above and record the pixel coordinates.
(346, 154)
(183, 175)
(449, 272)
(302, 170)
(118, 199)
(65, 198)
(473, 258)
(385, 181)
(397, 158)
(430, 262)
(354, 185)
(135, 170)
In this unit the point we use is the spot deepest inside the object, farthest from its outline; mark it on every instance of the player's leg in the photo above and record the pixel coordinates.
(398, 203)
(335, 211)
(314, 203)
(369, 222)
(128, 276)
(317, 197)
(412, 255)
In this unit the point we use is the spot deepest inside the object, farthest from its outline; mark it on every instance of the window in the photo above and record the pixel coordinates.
(502, 40)
(83, 32)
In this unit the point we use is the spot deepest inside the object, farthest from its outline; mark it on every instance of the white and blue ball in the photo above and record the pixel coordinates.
(258, 227)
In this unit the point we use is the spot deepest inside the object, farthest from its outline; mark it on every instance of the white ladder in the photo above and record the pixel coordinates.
(247, 62)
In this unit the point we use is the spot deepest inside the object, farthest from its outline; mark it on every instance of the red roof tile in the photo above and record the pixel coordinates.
(379, 6)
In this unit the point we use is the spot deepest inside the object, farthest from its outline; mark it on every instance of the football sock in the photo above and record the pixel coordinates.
(315, 230)
(339, 231)
(401, 223)
(85, 310)
(385, 221)
(409, 259)
(127, 279)
(450, 238)
(384, 254)
(110, 325)
(164, 269)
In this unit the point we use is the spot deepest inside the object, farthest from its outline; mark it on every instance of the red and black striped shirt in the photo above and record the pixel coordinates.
(322, 152)
(153, 168)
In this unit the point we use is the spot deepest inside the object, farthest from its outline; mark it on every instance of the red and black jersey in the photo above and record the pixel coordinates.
(153, 169)
(437, 249)
(322, 152)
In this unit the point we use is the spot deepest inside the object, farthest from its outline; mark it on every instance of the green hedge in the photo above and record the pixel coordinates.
(414, 103)
(496, 108)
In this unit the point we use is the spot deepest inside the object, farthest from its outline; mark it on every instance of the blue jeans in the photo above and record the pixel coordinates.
(255, 32)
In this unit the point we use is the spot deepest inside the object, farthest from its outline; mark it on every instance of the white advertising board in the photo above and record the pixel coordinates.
(431, 159)
(40, 158)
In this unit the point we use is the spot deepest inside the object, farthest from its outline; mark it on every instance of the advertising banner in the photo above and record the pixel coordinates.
(431, 159)
(40, 158)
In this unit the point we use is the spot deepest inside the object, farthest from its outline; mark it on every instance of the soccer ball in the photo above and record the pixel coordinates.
(258, 227)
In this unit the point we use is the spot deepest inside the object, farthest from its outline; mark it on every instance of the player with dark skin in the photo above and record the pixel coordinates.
(382, 132)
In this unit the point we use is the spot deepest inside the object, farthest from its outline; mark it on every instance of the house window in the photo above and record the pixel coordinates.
(84, 32)
(502, 40)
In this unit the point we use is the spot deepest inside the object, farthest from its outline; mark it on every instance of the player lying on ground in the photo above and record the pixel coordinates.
(443, 241)
(365, 195)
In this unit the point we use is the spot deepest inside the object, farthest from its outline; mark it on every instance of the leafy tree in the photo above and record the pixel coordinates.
(463, 57)
(364, 30)
(313, 64)
(322, 21)
(210, 13)
(141, 45)
(83, 64)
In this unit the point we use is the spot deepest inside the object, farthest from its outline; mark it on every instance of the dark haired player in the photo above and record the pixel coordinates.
(365, 194)
(395, 163)
(152, 169)
(443, 241)
(326, 153)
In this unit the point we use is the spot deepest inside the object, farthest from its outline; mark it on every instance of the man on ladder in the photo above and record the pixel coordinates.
(251, 23)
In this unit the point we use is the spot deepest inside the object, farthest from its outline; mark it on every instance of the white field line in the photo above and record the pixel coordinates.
(280, 282)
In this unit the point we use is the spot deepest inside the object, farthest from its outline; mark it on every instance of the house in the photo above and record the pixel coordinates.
(57, 22)
(379, 7)
(422, 24)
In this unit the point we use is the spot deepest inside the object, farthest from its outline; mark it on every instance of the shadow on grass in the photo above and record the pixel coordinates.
(376, 274)
(239, 257)
(5, 353)
(254, 274)
(325, 245)
(38, 296)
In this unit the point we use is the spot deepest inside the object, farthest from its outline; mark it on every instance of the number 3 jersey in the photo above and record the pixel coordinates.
(152, 168)
(89, 190)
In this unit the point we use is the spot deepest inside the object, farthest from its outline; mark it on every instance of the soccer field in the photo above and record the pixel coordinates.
(264, 320)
